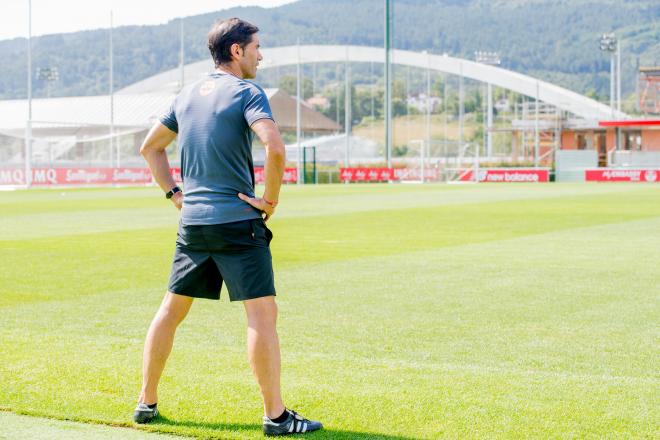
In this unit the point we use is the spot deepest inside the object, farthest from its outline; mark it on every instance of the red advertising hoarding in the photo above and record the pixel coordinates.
(77, 176)
(290, 175)
(622, 175)
(415, 174)
(530, 175)
(366, 174)
(176, 174)
(103, 176)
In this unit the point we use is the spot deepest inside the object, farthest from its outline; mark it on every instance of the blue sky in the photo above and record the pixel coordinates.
(51, 17)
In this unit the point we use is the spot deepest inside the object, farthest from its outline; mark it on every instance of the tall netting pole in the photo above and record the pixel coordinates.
(489, 122)
(461, 109)
(313, 79)
(28, 129)
(618, 90)
(445, 120)
(112, 100)
(337, 67)
(536, 127)
(181, 56)
(301, 177)
(429, 104)
(388, 87)
(347, 110)
(372, 92)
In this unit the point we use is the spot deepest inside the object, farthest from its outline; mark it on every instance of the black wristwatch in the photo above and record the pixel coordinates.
(171, 192)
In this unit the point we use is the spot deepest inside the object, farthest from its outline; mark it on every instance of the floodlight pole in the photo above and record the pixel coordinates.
(612, 83)
(388, 86)
(48, 74)
(28, 128)
(609, 43)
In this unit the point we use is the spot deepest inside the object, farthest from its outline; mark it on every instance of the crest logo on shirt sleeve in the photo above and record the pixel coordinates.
(206, 88)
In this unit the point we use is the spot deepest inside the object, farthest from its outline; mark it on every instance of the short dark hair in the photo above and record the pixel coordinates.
(227, 32)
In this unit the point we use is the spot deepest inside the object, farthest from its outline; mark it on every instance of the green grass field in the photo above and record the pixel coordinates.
(406, 311)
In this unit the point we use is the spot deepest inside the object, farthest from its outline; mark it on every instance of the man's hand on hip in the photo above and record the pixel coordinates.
(177, 199)
(260, 204)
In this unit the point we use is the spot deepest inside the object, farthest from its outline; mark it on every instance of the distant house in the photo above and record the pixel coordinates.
(319, 102)
(502, 105)
(421, 103)
(284, 111)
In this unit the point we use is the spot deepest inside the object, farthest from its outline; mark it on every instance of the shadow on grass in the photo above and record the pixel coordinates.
(252, 427)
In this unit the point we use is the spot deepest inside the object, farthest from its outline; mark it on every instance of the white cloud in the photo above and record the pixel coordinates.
(51, 17)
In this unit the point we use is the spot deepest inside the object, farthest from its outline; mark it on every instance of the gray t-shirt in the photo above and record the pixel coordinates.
(212, 118)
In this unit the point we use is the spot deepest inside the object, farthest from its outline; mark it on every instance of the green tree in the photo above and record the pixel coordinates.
(288, 83)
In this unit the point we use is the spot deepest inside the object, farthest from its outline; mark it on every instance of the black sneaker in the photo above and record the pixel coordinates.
(294, 424)
(144, 414)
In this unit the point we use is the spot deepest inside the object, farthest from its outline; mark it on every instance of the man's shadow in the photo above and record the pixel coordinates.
(326, 432)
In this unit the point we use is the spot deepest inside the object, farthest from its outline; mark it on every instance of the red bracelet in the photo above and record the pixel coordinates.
(273, 204)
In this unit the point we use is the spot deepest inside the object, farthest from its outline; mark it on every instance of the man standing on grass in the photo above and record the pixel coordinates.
(222, 233)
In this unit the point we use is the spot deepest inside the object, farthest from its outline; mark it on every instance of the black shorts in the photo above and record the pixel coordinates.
(237, 253)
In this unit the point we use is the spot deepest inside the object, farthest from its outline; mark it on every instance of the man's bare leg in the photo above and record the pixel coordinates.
(158, 344)
(264, 351)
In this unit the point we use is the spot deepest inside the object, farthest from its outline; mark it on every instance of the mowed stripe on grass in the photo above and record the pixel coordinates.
(144, 255)
(535, 326)
(55, 212)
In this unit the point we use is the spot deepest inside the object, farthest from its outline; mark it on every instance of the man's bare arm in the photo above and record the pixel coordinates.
(153, 150)
(270, 136)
